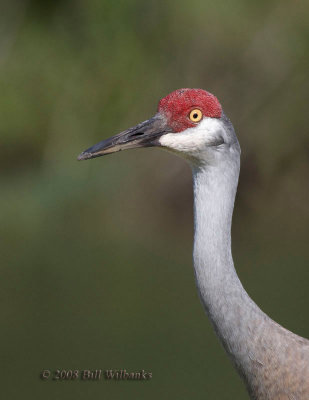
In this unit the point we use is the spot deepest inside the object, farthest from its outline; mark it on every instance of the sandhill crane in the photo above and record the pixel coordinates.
(273, 362)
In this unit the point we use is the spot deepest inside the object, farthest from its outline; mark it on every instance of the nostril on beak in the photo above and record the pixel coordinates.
(137, 134)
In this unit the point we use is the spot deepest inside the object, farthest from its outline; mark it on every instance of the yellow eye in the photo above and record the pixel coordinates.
(196, 115)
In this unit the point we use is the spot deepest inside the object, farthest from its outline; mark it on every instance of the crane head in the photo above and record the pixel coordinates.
(189, 122)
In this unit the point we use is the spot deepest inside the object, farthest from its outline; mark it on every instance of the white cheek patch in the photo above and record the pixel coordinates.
(193, 139)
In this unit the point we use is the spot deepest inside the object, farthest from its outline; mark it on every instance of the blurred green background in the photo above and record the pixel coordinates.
(96, 268)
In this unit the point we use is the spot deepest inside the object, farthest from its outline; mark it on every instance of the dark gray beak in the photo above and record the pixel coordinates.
(145, 134)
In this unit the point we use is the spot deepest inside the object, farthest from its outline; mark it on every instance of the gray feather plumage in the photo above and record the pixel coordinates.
(273, 361)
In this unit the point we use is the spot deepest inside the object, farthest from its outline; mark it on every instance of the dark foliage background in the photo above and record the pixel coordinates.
(96, 267)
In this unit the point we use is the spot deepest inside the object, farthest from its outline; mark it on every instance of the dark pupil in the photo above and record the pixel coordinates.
(195, 115)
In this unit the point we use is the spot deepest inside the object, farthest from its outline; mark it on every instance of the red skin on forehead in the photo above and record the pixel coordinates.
(177, 105)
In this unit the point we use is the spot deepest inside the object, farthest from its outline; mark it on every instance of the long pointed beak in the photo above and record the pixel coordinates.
(145, 134)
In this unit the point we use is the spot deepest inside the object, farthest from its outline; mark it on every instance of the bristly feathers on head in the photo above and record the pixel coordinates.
(177, 105)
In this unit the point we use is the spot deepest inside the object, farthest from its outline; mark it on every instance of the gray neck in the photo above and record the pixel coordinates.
(233, 314)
